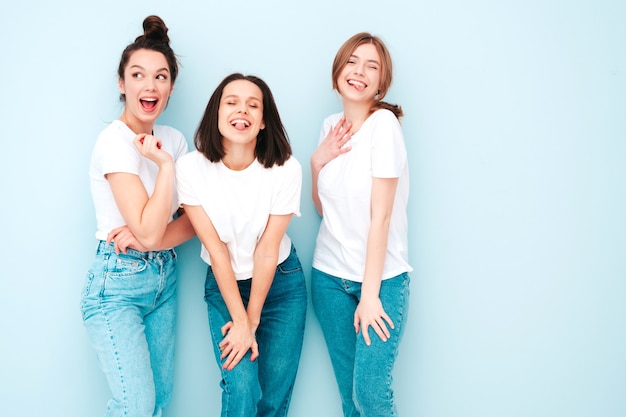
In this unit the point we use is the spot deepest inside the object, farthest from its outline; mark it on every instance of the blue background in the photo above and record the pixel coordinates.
(515, 127)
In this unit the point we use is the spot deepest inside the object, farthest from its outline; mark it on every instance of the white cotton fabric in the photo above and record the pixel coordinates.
(239, 203)
(344, 187)
(114, 152)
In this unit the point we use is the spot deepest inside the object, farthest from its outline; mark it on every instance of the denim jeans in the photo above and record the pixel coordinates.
(363, 373)
(129, 311)
(263, 388)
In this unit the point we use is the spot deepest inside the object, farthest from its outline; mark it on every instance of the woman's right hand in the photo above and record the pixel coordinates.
(333, 144)
(238, 338)
(150, 147)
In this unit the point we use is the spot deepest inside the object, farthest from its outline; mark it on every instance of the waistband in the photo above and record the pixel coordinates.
(103, 248)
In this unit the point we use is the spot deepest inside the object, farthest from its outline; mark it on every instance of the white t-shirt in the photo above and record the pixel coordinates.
(345, 189)
(114, 152)
(239, 203)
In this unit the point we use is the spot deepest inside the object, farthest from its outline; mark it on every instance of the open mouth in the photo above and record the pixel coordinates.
(240, 124)
(148, 104)
(358, 85)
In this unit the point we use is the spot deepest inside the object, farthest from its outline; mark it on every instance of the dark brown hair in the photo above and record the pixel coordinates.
(272, 145)
(386, 68)
(154, 38)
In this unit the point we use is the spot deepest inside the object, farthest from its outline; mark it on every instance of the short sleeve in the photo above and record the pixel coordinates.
(286, 198)
(388, 148)
(184, 183)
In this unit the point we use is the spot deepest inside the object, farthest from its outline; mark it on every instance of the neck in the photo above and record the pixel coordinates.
(136, 125)
(238, 158)
(356, 113)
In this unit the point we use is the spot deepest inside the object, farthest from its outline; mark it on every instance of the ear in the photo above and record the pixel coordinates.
(120, 85)
(262, 124)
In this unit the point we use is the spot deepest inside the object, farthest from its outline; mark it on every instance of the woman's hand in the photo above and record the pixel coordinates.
(123, 239)
(150, 147)
(334, 144)
(238, 338)
(370, 313)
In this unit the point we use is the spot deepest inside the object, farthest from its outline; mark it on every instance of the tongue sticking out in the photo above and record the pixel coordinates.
(239, 125)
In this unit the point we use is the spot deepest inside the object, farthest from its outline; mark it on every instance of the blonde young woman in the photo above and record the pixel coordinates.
(360, 281)
(129, 301)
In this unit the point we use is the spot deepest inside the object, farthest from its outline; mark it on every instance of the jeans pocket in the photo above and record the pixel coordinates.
(290, 265)
(125, 265)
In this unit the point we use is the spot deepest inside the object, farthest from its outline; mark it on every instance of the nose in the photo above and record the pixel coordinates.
(359, 69)
(150, 84)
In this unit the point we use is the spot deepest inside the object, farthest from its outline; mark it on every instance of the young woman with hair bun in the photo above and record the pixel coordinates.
(129, 300)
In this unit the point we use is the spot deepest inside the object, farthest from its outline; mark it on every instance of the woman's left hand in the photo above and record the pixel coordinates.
(370, 313)
(123, 239)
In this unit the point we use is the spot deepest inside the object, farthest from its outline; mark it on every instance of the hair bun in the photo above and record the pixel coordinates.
(154, 29)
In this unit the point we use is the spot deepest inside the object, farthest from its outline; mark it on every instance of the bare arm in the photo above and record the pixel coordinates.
(239, 333)
(370, 311)
(265, 261)
(147, 217)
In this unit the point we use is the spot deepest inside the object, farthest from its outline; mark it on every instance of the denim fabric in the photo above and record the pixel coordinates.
(263, 388)
(363, 373)
(129, 311)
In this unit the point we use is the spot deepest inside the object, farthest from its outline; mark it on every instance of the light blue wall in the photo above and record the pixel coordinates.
(516, 131)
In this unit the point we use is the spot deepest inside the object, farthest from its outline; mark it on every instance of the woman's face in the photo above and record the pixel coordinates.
(147, 86)
(240, 114)
(359, 80)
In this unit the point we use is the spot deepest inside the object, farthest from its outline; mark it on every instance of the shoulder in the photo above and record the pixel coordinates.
(385, 116)
(114, 136)
(168, 132)
(192, 158)
(292, 163)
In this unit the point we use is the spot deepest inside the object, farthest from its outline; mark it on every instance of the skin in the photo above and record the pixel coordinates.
(147, 87)
(240, 118)
(358, 84)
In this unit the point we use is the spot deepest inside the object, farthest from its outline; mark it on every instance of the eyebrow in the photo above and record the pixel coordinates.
(237, 96)
(142, 68)
(369, 60)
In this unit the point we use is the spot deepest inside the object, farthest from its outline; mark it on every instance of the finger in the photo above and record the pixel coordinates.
(226, 328)
(388, 320)
(116, 246)
(233, 360)
(366, 335)
(113, 233)
(139, 139)
(381, 330)
(254, 351)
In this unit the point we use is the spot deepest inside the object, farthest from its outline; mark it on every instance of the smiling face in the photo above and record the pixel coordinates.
(240, 114)
(147, 87)
(359, 80)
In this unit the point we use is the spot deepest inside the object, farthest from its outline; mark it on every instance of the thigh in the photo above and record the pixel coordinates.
(334, 305)
(374, 364)
(160, 335)
(281, 330)
(117, 334)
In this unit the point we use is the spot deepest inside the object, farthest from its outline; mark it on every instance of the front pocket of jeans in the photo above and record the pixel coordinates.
(290, 265)
(124, 265)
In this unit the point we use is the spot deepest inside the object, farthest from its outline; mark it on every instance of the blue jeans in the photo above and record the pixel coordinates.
(263, 388)
(129, 311)
(363, 372)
